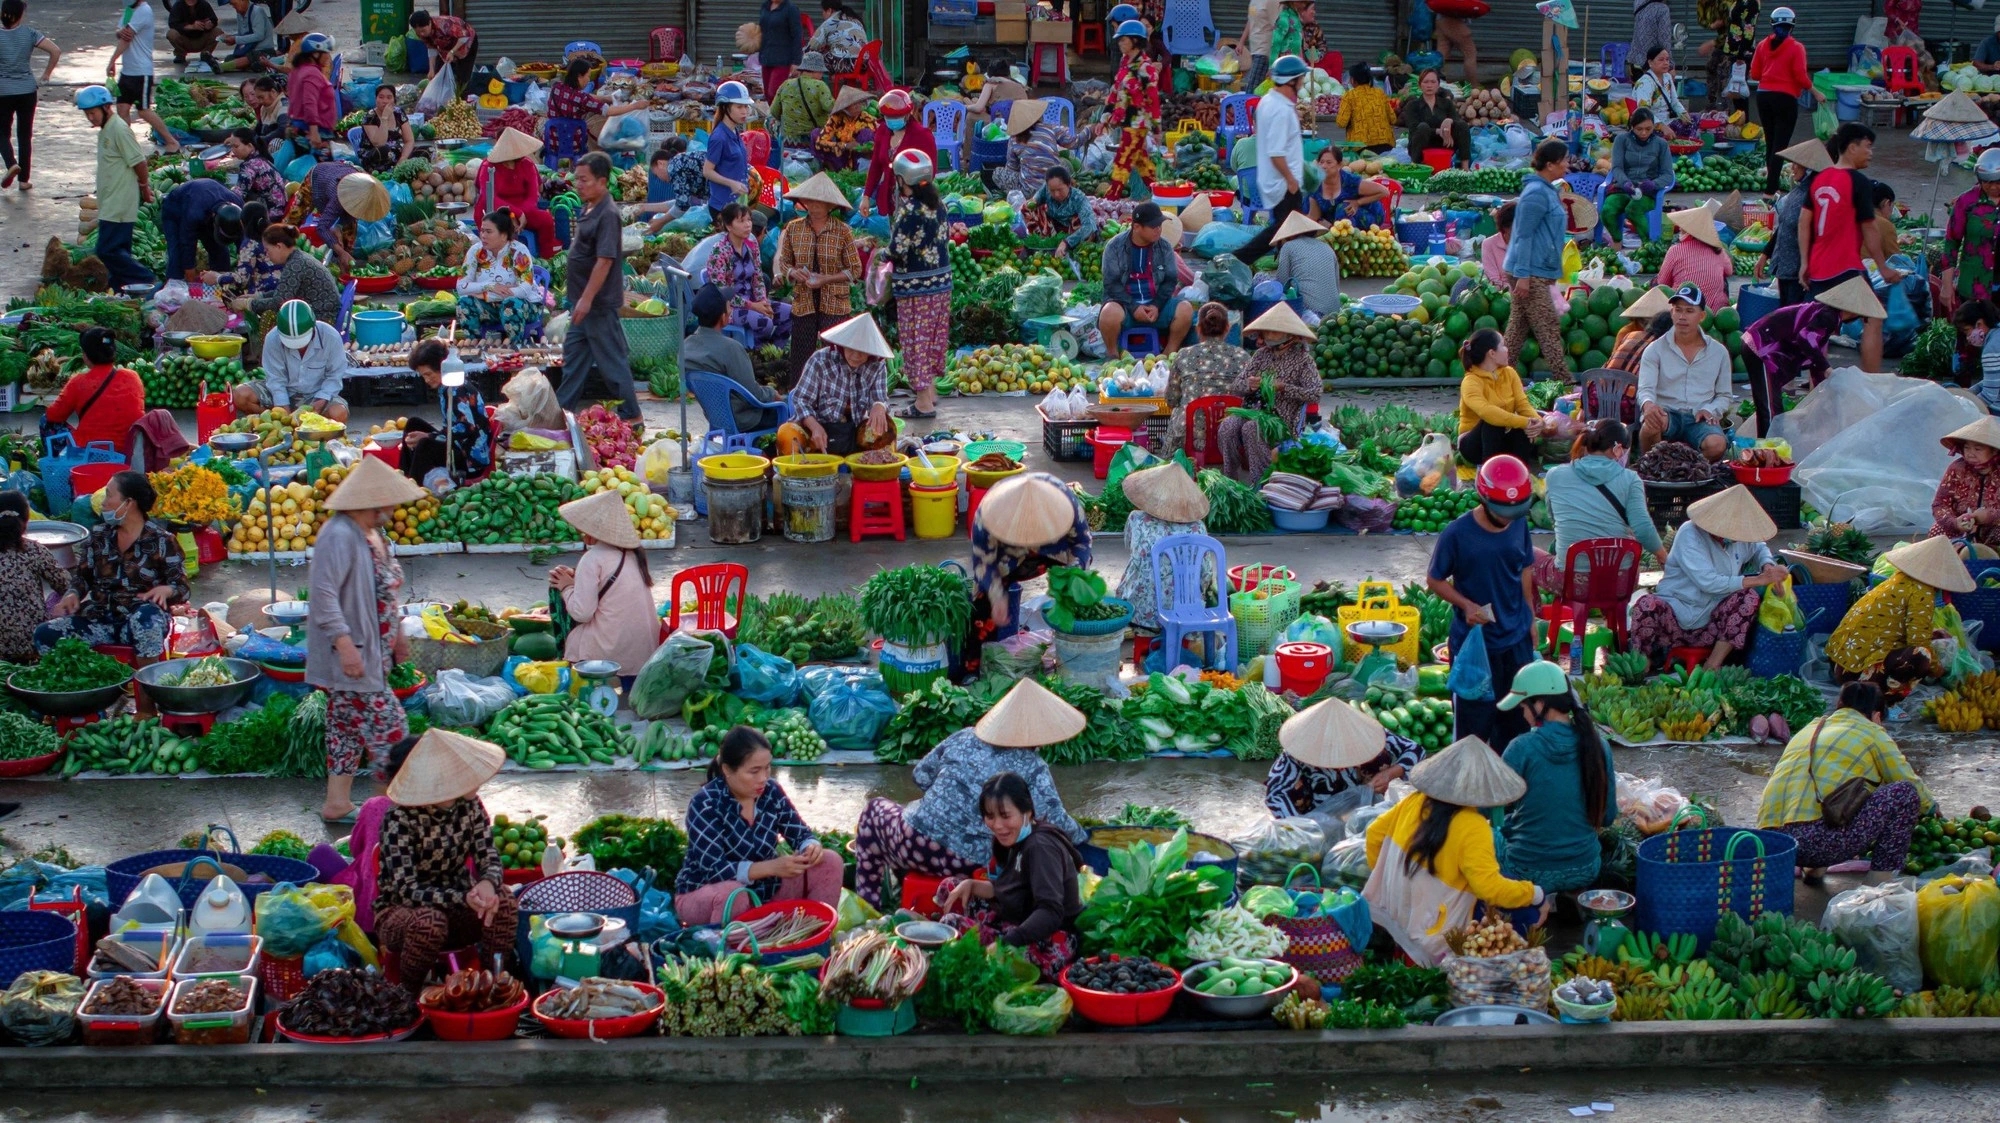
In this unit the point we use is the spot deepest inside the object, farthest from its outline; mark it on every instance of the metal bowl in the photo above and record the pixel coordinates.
(926, 933)
(1235, 1006)
(1377, 633)
(233, 442)
(1606, 902)
(575, 926)
(68, 703)
(59, 538)
(1494, 1016)
(288, 611)
(595, 668)
(197, 699)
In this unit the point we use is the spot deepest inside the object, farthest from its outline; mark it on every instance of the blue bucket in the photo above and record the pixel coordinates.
(1754, 302)
(377, 326)
(1847, 104)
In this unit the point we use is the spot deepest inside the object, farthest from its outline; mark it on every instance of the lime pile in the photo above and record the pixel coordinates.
(1428, 514)
(1357, 345)
(521, 842)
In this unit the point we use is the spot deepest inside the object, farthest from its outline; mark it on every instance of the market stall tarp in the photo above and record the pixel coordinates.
(1867, 447)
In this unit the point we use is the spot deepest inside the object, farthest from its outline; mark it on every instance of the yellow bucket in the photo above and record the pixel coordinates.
(943, 472)
(934, 510)
(734, 466)
(988, 479)
(807, 465)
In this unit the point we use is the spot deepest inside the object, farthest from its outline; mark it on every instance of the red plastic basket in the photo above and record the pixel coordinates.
(1107, 1009)
(30, 766)
(210, 415)
(435, 284)
(603, 1029)
(492, 1025)
(403, 693)
(1762, 477)
(283, 977)
(372, 286)
(523, 876)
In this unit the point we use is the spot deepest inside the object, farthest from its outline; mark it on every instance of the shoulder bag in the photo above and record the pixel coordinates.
(1838, 809)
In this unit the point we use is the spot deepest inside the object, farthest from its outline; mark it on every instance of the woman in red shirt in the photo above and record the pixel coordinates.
(1779, 69)
(106, 401)
(899, 130)
(510, 178)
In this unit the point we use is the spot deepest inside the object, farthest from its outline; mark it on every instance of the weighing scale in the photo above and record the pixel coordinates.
(1375, 635)
(598, 691)
(1054, 332)
(1606, 932)
(584, 936)
(235, 444)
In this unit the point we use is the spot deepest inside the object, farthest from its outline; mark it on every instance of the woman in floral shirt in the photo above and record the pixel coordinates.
(498, 293)
(256, 177)
(385, 134)
(1135, 110)
(1165, 503)
(255, 274)
(737, 268)
(1210, 367)
(1967, 504)
(848, 132)
(921, 282)
(1970, 240)
(1286, 360)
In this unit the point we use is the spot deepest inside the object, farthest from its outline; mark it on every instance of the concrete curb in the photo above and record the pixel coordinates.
(1249, 1055)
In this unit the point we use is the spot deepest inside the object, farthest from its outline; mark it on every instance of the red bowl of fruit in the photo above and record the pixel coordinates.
(1221, 200)
(437, 284)
(1108, 1007)
(373, 286)
(29, 766)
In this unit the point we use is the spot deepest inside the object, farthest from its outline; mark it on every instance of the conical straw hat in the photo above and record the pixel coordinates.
(444, 766)
(513, 145)
(1027, 511)
(1854, 295)
(1283, 320)
(819, 189)
(1956, 108)
(1197, 214)
(1029, 717)
(297, 22)
(1171, 230)
(604, 517)
(1025, 114)
(850, 96)
(1985, 431)
(1332, 734)
(1469, 774)
(1808, 154)
(363, 197)
(1652, 303)
(1935, 562)
(371, 485)
(1699, 222)
(1297, 225)
(860, 333)
(1734, 514)
(1167, 492)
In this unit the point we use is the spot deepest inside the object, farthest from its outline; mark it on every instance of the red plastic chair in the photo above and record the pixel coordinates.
(668, 44)
(757, 146)
(1211, 408)
(867, 73)
(1605, 582)
(711, 596)
(1900, 72)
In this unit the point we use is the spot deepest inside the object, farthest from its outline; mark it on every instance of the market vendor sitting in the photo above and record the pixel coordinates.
(1642, 168)
(569, 101)
(1698, 257)
(744, 832)
(1845, 745)
(426, 457)
(609, 594)
(1715, 576)
(707, 349)
(842, 399)
(103, 402)
(1335, 759)
(1649, 318)
(1967, 504)
(1684, 380)
(803, 103)
(1571, 784)
(1432, 866)
(1142, 285)
(1494, 415)
(1886, 638)
(1034, 146)
(256, 177)
(1594, 496)
(1344, 194)
(440, 883)
(1060, 210)
(1165, 502)
(1308, 265)
(848, 133)
(498, 294)
(304, 365)
(1026, 523)
(943, 833)
(1283, 362)
(737, 268)
(1029, 897)
(128, 577)
(511, 178)
(300, 277)
(1433, 120)
(201, 212)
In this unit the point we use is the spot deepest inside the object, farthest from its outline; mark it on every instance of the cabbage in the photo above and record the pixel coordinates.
(1000, 214)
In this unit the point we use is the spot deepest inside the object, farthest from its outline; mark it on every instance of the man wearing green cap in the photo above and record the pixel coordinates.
(1551, 831)
(304, 362)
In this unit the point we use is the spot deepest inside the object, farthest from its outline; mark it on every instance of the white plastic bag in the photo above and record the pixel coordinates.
(1880, 923)
(1267, 854)
(504, 69)
(438, 94)
(458, 699)
(1056, 406)
(1079, 402)
(1422, 471)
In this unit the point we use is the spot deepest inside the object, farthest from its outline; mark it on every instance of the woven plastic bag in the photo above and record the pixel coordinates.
(1958, 926)
(1518, 979)
(1032, 1010)
(40, 1008)
(1880, 923)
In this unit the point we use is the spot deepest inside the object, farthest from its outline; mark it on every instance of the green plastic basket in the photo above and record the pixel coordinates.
(853, 1021)
(651, 337)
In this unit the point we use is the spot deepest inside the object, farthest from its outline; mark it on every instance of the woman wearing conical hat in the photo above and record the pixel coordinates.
(818, 255)
(943, 833)
(1886, 637)
(1967, 504)
(1165, 502)
(1716, 572)
(1335, 759)
(842, 399)
(609, 595)
(1025, 524)
(1034, 146)
(1286, 357)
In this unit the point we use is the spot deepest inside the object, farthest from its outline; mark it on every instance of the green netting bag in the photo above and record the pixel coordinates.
(1034, 1010)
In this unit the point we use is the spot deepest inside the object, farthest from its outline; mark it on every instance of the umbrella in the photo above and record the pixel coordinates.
(1956, 119)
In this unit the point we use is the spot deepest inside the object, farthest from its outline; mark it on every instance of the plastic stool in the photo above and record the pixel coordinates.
(1688, 657)
(973, 496)
(1139, 341)
(117, 651)
(1039, 66)
(187, 725)
(877, 509)
(1089, 37)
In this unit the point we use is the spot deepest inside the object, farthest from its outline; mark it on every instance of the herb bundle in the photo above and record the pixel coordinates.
(917, 605)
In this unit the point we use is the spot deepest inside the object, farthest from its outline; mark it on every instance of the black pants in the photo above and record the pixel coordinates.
(1779, 114)
(1425, 136)
(17, 115)
(1485, 441)
(1791, 292)
(1764, 390)
(461, 68)
(1486, 720)
(1259, 245)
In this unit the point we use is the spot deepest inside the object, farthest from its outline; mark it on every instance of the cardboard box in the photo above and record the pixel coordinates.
(1010, 9)
(1051, 31)
(1007, 30)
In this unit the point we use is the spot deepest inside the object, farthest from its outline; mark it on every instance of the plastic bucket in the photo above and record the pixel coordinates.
(934, 511)
(905, 669)
(1106, 443)
(943, 472)
(1438, 159)
(1847, 104)
(735, 510)
(377, 326)
(85, 479)
(1089, 658)
(809, 507)
(1303, 666)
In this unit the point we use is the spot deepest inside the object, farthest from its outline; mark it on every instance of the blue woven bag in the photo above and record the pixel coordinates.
(1775, 654)
(1823, 604)
(1689, 879)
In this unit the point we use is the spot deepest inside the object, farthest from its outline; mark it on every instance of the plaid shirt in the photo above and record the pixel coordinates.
(569, 102)
(721, 845)
(444, 32)
(829, 251)
(424, 852)
(1849, 745)
(1625, 355)
(830, 390)
(104, 577)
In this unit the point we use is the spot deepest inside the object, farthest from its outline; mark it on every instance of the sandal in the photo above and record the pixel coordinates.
(8, 179)
(346, 820)
(912, 413)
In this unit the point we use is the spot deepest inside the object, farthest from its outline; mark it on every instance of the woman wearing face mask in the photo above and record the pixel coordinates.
(899, 132)
(1778, 66)
(1978, 357)
(1029, 897)
(1551, 831)
(1595, 496)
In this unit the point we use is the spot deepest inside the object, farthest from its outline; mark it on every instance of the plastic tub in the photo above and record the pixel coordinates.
(981, 481)
(1303, 666)
(876, 473)
(629, 1026)
(1107, 1009)
(244, 954)
(736, 510)
(29, 766)
(1299, 520)
(164, 947)
(492, 1025)
(809, 514)
(934, 510)
(943, 472)
(734, 467)
(377, 326)
(216, 346)
(888, 1021)
(1089, 659)
(86, 479)
(123, 1029)
(1013, 450)
(1748, 476)
(228, 1028)
(807, 465)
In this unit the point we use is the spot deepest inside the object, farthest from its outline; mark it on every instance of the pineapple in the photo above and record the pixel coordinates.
(1841, 541)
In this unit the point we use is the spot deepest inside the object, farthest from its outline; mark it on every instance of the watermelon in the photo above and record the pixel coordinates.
(1597, 326)
(1499, 308)
(1436, 369)
(1604, 302)
(1727, 321)
(1531, 349)
(1734, 341)
(1592, 360)
(1577, 342)
(1443, 349)
(536, 646)
(1474, 304)
(1485, 323)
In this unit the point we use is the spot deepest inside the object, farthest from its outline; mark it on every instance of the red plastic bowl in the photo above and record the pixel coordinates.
(527, 876)
(630, 1026)
(1222, 200)
(493, 1025)
(434, 284)
(1762, 477)
(30, 766)
(371, 286)
(371, 1039)
(818, 910)
(1108, 1009)
(403, 693)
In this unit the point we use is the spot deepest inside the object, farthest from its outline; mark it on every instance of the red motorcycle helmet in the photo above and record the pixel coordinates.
(1506, 486)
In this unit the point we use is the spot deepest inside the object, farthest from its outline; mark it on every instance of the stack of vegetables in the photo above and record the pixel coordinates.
(502, 508)
(1196, 717)
(1149, 902)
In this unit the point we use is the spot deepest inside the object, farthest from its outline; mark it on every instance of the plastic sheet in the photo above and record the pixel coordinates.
(1218, 238)
(1012, 1015)
(1880, 923)
(1867, 447)
(458, 699)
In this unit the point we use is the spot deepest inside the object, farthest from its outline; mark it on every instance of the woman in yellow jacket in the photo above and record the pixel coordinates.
(1886, 637)
(1493, 411)
(1431, 859)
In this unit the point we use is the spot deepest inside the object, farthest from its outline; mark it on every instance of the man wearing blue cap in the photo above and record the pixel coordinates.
(121, 187)
(1281, 154)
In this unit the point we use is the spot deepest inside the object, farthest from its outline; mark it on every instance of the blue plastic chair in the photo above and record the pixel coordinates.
(1188, 28)
(354, 138)
(716, 394)
(946, 121)
(576, 45)
(1236, 122)
(346, 307)
(1653, 217)
(1137, 341)
(1612, 59)
(564, 138)
(1246, 194)
(1188, 612)
(740, 334)
(1061, 112)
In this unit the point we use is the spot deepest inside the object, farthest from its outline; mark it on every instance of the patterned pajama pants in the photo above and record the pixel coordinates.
(923, 331)
(360, 724)
(1536, 313)
(1880, 831)
(143, 629)
(421, 936)
(1051, 955)
(883, 841)
(1132, 168)
(1245, 456)
(1655, 628)
(511, 319)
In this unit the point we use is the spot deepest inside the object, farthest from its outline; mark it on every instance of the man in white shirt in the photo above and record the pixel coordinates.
(1281, 154)
(1684, 383)
(135, 87)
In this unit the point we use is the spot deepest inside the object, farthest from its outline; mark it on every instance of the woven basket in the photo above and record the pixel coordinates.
(1689, 879)
(480, 660)
(650, 337)
(574, 891)
(1318, 944)
(35, 941)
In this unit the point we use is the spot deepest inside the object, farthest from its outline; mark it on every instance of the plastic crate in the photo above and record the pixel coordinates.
(954, 13)
(1668, 503)
(1067, 440)
(1782, 502)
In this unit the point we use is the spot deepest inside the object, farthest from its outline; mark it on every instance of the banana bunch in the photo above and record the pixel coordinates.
(1812, 961)
(1852, 994)
(1622, 976)
(1983, 690)
(1687, 722)
(1954, 713)
(1629, 667)
(1953, 1002)
(1703, 679)
(1646, 951)
(1641, 1006)
(1769, 996)
(1711, 1001)
(1737, 948)
(1914, 1006)
(1598, 688)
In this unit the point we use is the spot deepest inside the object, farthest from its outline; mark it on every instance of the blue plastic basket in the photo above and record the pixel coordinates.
(1419, 233)
(1775, 654)
(1299, 520)
(35, 940)
(63, 455)
(1824, 605)
(1689, 879)
(123, 875)
(575, 891)
(988, 154)
(1105, 627)
(954, 13)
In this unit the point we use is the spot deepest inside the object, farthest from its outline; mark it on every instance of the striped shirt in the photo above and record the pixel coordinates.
(722, 845)
(1030, 157)
(826, 252)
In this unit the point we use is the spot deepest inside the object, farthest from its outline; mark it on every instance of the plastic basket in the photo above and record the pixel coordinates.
(1776, 654)
(489, 1025)
(1688, 879)
(776, 953)
(1419, 233)
(1066, 440)
(1824, 604)
(876, 473)
(283, 976)
(954, 13)
(650, 337)
(1109, 1009)
(1106, 626)
(1261, 619)
(124, 875)
(55, 467)
(480, 660)
(574, 891)
(631, 1025)
(1980, 604)
(1377, 600)
(35, 941)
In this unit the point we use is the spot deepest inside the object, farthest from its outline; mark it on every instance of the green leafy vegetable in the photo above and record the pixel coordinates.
(964, 979)
(917, 605)
(71, 666)
(632, 842)
(255, 742)
(1149, 900)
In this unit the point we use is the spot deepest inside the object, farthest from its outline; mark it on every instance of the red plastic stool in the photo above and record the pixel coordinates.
(65, 726)
(920, 893)
(1688, 657)
(1439, 159)
(117, 651)
(1090, 37)
(187, 725)
(1142, 646)
(1041, 66)
(877, 509)
(209, 547)
(972, 497)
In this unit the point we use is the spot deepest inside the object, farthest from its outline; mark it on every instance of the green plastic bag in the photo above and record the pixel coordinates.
(1824, 120)
(1958, 930)
(396, 58)
(1034, 1010)
(1264, 900)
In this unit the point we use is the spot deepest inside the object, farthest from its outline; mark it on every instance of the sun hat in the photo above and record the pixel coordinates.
(1027, 511)
(363, 197)
(1734, 514)
(1331, 734)
(1297, 225)
(1168, 493)
(1934, 562)
(513, 145)
(1985, 431)
(1286, 69)
(1171, 230)
(819, 189)
(1469, 774)
(1688, 294)
(604, 517)
(372, 486)
(860, 333)
(1653, 302)
(850, 96)
(296, 323)
(1699, 223)
(1581, 213)
(813, 61)
(444, 766)
(1540, 678)
(1029, 717)
(1025, 114)
(1283, 320)
(298, 22)
(1856, 296)
(1808, 154)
